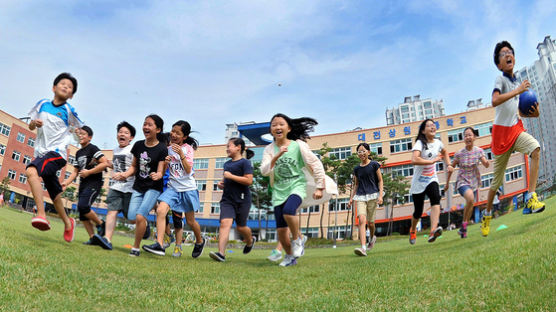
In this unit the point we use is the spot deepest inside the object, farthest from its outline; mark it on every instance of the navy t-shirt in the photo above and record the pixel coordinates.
(234, 191)
(147, 162)
(367, 178)
(85, 159)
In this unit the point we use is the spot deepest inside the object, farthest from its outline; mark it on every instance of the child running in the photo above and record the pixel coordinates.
(469, 176)
(236, 198)
(284, 161)
(367, 181)
(89, 164)
(148, 168)
(54, 121)
(182, 195)
(426, 152)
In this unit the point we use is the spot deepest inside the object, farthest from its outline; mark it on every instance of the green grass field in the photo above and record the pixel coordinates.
(511, 270)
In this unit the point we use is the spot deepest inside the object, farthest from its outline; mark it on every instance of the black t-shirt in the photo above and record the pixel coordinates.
(234, 191)
(85, 159)
(367, 178)
(147, 162)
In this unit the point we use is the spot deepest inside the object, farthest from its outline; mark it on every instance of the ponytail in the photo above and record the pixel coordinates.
(240, 142)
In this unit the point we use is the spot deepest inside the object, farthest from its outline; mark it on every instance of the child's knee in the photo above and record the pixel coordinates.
(536, 153)
(31, 172)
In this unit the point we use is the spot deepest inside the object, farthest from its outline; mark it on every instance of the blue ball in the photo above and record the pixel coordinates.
(527, 101)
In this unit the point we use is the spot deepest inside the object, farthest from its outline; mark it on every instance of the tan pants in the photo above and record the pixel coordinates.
(367, 208)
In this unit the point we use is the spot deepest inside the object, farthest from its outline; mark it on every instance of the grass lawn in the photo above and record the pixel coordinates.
(511, 270)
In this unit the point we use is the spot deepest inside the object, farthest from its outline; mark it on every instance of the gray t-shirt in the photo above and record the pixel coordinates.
(122, 161)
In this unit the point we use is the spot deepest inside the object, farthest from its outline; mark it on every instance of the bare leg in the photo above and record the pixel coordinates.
(293, 225)
(284, 238)
(92, 216)
(469, 201)
(190, 219)
(414, 223)
(245, 231)
(224, 234)
(111, 217)
(362, 236)
(161, 212)
(435, 215)
(371, 229)
(88, 225)
(140, 227)
(490, 199)
(534, 175)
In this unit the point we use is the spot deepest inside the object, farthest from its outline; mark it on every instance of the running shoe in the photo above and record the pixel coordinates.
(297, 248)
(177, 251)
(434, 235)
(275, 255)
(463, 230)
(485, 225)
(102, 242)
(69, 234)
(198, 249)
(534, 205)
(371, 244)
(247, 249)
(360, 252)
(412, 238)
(40, 223)
(134, 252)
(167, 241)
(101, 228)
(289, 260)
(155, 249)
(217, 256)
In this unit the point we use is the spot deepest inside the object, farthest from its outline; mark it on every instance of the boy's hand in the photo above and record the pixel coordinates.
(534, 111)
(84, 173)
(221, 185)
(119, 177)
(38, 123)
(525, 85)
(155, 176)
(227, 175)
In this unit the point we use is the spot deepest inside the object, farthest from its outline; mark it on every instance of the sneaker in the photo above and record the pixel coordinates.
(89, 242)
(297, 248)
(155, 249)
(527, 210)
(485, 225)
(434, 235)
(371, 244)
(534, 205)
(166, 242)
(177, 251)
(40, 223)
(247, 249)
(134, 252)
(463, 231)
(147, 231)
(289, 260)
(101, 241)
(275, 255)
(217, 256)
(303, 241)
(198, 249)
(69, 234)
(101, 228)
(360, 252)
(412, 238)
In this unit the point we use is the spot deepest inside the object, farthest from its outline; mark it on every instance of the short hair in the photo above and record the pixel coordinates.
(128, 126)
(66, 76)
(498, 47)
(88, 130)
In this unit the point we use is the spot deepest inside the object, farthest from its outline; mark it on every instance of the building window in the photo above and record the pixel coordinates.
(16, 155)
(340, 205)
(201, 163)
(219, 163)
(71, 160)
(58, 173)
(484, 129)
(201, 205)
(455, 135)
(402, 145)
(340, 153)
(43, 187)
(486, 180)
(27, 159)
(67, 175)
(201, 185)
(22, 178)
(407, 198)
(315, 208)
(513, 173)
(215, 186)
(215, 208)
(376, 148)
(20, 137)
(312, 232)
(11, 174)
(488, 154)
(31, 142)
(4, 129)
(2, 149)
(403, 170)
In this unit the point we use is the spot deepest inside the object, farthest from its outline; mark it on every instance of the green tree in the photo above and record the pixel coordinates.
(262, 196)
(69, 195)
(5, 187)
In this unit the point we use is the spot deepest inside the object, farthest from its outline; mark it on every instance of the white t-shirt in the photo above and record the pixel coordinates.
(180, 180)
(423, 175)
(121, 161)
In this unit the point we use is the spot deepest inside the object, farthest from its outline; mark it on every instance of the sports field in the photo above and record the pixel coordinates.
(511, 270)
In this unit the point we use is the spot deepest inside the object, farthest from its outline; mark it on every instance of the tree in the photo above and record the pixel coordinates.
(395, 187)
(101, 193)
(5, 187)
(69, 194)
(262, 196)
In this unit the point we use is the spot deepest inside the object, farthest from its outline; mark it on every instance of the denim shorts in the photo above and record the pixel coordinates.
(142, 203)
(187, 201)
(462, 189)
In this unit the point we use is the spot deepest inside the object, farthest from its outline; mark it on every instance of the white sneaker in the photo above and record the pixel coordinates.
(275, 255)
(303, 240)
(297, 248)
(288, 261)
(371, 243)
(360, 252)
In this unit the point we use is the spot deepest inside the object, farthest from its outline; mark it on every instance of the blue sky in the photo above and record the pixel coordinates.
(216, 62)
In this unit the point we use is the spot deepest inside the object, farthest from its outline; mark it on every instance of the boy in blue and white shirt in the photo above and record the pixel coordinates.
(54, 120)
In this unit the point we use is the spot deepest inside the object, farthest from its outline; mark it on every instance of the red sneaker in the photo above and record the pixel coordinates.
(68, 234)
(40, 223)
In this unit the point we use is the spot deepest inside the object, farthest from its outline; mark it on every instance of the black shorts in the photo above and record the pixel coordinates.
(87, 197)
(47, 166)
(433, 193)
(234, 210)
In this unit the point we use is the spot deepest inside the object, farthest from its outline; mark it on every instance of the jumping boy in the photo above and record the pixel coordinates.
(508, 133)
(89, 164)
(54, 121)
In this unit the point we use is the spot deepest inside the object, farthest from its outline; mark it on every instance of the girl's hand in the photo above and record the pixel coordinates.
(317, 194)
(283, 149)
(177, 149)
(155, 176)
(451, 169)
(168, 159)
(379, 200)
(446, 187)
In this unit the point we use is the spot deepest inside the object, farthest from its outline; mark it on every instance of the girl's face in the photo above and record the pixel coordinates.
(232, 149)
(468, 137)
(430, 130)
(363, 153)
(279, 128)
(149, 128)
(176, 135)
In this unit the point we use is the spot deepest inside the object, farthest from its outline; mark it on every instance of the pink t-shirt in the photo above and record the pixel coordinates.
(468, 162)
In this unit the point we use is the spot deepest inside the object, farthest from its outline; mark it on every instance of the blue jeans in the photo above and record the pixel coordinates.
(142, 203)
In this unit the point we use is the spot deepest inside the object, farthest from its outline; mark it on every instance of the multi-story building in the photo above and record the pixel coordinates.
(414, 109)
(232, 131)
(542, 75)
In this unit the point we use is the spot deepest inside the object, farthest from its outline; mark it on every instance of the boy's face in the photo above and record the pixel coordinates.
(506, 60)
(64, 89)
(84, 137)
(124, 137)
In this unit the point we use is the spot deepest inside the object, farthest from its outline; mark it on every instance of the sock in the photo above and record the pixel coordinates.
(486, 213)
(363, 247)
(528, 196)
(464, 225)
(135, 249)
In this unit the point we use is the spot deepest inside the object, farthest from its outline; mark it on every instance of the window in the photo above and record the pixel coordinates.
(201, 207)
(397, 146)
(219, 163)
(312, 232)
(20, 137)
(316, 152)
(513, 173)
(339, 232)
(201, 185)
(215, 186)
(58, 173)
(71, 160)
(4, 129)
(27, 159)
(67, 175)
(201, 163)
(484, 129)
(340, 153)
(376, 148)
(43, 187)
(427, 104)
(407, 198)
(341, 205)
(439, 166)
(403, 170)
(486, 180)
(488, 154)
(2, 149)
(315, 208)
(455, 135)
(215, 208)
(22, 178)
(31, 142)
(11, 174)
(16, 155)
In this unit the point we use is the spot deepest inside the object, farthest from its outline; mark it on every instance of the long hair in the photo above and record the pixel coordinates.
(159, 123)
(300, 127)
(239, 142)
(186, 129)
(420, 135)
(365, 146)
